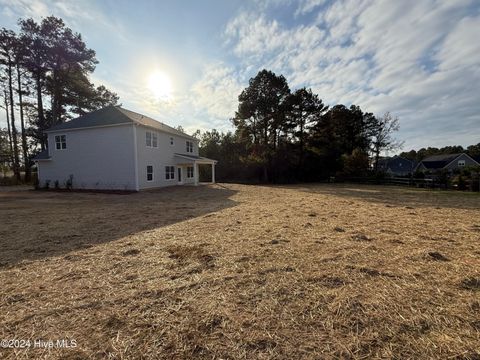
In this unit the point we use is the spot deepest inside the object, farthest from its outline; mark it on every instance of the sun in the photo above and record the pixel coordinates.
(160, 85)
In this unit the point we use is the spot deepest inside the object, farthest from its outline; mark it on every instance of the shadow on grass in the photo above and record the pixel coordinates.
(38, 225)
(396, 195)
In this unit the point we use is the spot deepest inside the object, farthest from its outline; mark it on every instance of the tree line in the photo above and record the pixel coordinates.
(284, 136)
(419, 155)
(44, 80)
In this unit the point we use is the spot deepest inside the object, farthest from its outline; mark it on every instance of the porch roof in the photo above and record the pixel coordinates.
(193, 159)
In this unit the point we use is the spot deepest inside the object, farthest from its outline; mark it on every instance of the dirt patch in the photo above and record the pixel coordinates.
(471, 283)
(435, 255)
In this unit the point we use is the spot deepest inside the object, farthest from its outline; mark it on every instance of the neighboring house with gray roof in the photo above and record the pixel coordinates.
(396, 166)
(118, 149)
(449, 162)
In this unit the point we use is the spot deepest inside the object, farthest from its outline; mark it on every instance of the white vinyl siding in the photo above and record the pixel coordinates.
(97, 158)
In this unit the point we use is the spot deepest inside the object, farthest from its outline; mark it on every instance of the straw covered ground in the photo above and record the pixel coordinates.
(241, 272)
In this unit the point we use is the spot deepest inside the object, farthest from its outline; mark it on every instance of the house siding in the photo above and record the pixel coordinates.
(98, 158)
(159, 157)
(468, 162)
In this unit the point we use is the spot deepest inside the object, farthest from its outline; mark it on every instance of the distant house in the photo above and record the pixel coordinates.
(396, 166)
(447, 162)
(115, 148)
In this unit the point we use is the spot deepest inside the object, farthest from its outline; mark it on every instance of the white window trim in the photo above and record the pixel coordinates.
(60, 142)
(170, 172)
(189, 145)
(153, 135)
(147, 133)
(151, 173)
(190, 175)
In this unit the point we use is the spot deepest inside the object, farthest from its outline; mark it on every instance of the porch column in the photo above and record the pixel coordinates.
(213, 173)
(195, 173)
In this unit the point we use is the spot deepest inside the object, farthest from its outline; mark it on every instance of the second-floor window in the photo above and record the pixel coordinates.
(189, 146)
(171, 141)
(60, 142)
(151, 139)
(461, 162)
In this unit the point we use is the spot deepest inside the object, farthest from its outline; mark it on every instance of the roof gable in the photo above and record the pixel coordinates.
(441, 161)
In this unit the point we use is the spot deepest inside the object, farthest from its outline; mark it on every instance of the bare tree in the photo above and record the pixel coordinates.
(382, 136)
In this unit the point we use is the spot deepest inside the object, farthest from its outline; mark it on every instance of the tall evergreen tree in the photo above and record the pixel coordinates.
(7, 55)
(261, 114)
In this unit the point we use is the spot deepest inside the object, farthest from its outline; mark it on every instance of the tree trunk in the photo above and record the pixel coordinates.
(16, 160)
(10, 144)
(41, 116)
(26, 159)
(377, 157)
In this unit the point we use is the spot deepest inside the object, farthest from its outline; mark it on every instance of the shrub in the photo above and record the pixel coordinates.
(69, 182)
(56, 184)
(47, 184)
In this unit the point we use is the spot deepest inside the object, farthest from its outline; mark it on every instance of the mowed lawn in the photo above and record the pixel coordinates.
(242, 272)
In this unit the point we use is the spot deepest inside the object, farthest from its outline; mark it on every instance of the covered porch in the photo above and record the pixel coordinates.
(185, 161)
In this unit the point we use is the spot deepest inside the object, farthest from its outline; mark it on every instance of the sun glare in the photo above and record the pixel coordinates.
(160, 85)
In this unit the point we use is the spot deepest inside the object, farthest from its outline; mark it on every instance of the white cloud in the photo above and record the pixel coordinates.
(217, 91)
(419, 60)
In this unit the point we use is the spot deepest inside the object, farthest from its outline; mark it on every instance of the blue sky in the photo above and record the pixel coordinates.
(420, 59)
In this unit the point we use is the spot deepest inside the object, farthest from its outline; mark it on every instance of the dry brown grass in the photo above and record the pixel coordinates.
(243, 272)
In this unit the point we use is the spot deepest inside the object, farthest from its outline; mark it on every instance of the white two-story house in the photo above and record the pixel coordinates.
(118, 149)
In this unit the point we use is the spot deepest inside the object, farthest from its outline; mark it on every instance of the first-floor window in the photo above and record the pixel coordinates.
(149, 173)
(190, 172)
(60, 142)
(169, 172)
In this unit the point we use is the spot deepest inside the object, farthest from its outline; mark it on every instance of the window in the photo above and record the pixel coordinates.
(190, 172)
(169, 172)
(149, 173)
(151, 139)
(461, 162)
(171, 141)
(60, 142)
(154, 140)
(148, 138)
(189, 147)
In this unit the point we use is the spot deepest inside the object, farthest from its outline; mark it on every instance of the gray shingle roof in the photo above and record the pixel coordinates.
(42, 155)
(439, 161)
(115, 115)
(442, 157)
